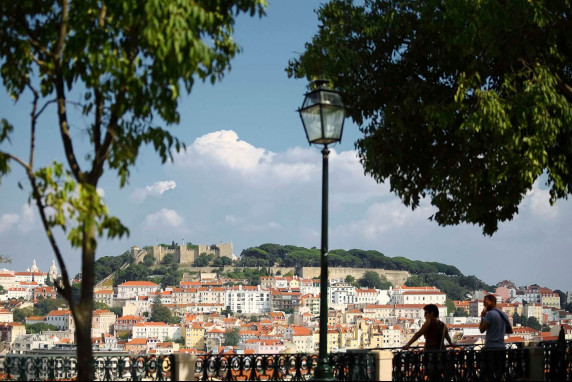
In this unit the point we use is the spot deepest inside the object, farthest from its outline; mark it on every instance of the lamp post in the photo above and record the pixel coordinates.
(322, 115)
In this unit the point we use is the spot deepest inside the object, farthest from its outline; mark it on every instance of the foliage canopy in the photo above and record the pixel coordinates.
(467, 103)
(121, 66)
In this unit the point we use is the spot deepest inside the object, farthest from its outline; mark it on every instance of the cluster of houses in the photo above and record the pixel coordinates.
(279, 315)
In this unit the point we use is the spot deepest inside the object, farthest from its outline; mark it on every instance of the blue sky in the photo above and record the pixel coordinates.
(249, 177)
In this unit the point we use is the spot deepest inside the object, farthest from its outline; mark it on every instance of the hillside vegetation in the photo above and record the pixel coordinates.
(447, 278)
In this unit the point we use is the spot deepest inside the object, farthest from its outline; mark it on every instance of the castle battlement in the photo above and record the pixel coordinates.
(183, 254)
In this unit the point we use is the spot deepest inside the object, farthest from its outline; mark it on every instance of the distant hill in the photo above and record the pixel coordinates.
(448, 278)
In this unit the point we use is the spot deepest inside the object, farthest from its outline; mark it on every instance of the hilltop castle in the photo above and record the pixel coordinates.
(184, 254)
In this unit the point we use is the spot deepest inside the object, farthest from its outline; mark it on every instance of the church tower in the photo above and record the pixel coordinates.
(53, 272)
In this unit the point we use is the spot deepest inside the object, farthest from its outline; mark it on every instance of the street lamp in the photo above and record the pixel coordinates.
(322, 115)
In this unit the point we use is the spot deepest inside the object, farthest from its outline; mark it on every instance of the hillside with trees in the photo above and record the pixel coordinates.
(257, 261)
(447, 278)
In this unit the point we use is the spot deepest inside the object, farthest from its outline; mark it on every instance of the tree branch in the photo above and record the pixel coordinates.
(63, 30)
(34, 118)
(103, 150)
(66, 290)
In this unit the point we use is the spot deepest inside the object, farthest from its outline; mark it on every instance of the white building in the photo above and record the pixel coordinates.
(61, 319)
(416, 311)
(248, 299)
(301, 337)
(19, 292)
(159, 330)
(7, 279)
(6, 315)
(132, 289)
(102, 322)
(367, 296)
(28, 342)
(264, 346)
(418, 295)
(341, 292)
(211, 295)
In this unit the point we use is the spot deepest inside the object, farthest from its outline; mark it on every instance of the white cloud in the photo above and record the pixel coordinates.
(23, 222)
(382, 218)
(156, 189)
(163, 218)
(259, 168)
(26, 223)
(224, 149)
(7, 221)
(538, 202)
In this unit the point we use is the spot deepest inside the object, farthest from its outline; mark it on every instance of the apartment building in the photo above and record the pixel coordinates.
(131, 289)
(102, 322)
(125, 324)
(158, 330)
(61, 319)
(417, 295)
(194, 335)
(248, 299)
(104, 296)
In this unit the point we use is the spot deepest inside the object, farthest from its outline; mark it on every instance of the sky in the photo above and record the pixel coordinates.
(249, 177)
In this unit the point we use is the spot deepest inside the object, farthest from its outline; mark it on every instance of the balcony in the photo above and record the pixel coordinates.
(546, 361)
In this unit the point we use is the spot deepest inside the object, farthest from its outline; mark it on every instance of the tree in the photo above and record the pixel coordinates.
(231, 337)
(450, 306)
(46, 305)
(460, 312)
(221, 261)
(203, 260)
(160, 313)
(39, 327)
(467, 103)
(117, 310)
(148, 260)
(168, 259)
(100, 306)
(372, 279)
(534, 323)
(20, 315)
(127, 63)
(351, 280)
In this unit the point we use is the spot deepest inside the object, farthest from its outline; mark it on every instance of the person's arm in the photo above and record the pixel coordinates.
(416, 336)
(447, 337)
(484, 325)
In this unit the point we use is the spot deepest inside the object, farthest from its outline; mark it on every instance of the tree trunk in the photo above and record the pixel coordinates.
(84, 350)
(84, 309)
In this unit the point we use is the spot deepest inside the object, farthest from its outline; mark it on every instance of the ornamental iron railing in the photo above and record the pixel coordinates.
(107, 368)
(557, 360)
(552, 360)
(350, 366)
(466, 363)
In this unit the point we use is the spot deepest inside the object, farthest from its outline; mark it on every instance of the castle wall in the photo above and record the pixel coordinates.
(183, 255)
(395, 277)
